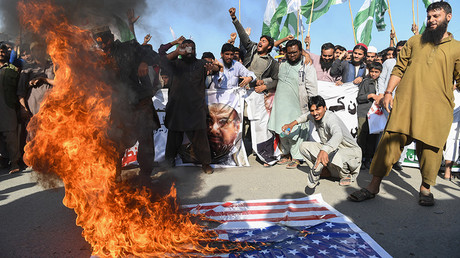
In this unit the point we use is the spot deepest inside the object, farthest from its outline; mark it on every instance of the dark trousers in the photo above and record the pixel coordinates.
(146, 121)
(200, 145)
(367, 142)
(12, 146)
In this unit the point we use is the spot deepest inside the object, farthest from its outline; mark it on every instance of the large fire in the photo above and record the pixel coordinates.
(70, 140)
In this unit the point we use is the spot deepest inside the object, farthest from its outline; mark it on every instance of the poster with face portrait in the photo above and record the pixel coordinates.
(224, 126)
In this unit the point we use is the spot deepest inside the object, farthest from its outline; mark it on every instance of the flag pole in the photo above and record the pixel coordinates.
(239, 10)
(391, 21)
(413, 12)
(417, 14)
(352, 22)
(298, 23)
(311, 16)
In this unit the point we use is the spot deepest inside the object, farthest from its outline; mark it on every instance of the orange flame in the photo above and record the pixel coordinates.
(70, 140)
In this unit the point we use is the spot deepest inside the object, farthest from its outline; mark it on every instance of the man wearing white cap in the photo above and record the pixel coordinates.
(371, 55)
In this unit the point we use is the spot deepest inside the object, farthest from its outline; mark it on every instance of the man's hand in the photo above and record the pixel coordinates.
(392, 34)
(259, 82)
(246, 81)
(248, 31)
(290, 126)
(37, 81)
(307, 41)
(25, 113)
(143, 69)
(307, 57)
(388, 102)
(147, 38)
(322, 158)
(342, 55)
(131, 18)
(358, 80)
(209, 67)
(218, 64)
(261, 88)
(338, 83)
(178, 40)
(232, 12)
(414, 29)
(289, 37)
(233, 36)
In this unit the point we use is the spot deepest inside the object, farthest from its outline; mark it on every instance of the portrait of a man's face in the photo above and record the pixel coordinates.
(223, 127)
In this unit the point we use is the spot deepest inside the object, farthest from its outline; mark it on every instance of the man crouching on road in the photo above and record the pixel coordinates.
(337, 151)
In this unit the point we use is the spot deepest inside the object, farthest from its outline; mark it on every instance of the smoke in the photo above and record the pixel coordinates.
(83, 13)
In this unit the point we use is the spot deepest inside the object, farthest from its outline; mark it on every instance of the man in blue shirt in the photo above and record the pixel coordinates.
(232, 70)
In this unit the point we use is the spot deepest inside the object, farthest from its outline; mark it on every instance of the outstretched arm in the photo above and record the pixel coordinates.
(132, 20)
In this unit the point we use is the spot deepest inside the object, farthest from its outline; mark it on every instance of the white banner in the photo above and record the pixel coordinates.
(342, 101)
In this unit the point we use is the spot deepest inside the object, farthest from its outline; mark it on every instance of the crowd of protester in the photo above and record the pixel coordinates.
(290, 77)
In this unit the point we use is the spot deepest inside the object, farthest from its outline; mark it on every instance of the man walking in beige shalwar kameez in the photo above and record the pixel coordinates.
(423, 106)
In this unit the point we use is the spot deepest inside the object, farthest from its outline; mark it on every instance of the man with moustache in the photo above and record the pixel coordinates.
(297, 82)
(232, 71)
(353, 70)
(337, 150)
(422, 110)
(257, 58)
(324, 62)
(186, 108)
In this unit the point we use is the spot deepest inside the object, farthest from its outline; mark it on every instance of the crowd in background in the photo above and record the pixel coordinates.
(27, 74)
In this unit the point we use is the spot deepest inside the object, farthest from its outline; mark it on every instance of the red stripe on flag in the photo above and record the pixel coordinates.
(253, 212)
(246, 204)
(286, 218)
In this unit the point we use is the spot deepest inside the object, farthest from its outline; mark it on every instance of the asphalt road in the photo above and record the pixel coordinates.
(35, 223)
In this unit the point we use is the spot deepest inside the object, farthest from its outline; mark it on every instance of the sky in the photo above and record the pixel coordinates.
(209, 24)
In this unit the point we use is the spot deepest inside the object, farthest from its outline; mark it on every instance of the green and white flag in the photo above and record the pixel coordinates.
(380, 8)
(274, 13)
(321, 7)
(365, 17)
(427, 3)
(363, 22)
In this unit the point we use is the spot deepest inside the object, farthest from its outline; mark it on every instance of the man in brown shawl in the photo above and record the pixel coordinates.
(423, 106)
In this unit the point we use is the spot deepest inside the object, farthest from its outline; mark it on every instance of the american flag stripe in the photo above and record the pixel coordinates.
(246, 204)
(288, 218)
(213, 213)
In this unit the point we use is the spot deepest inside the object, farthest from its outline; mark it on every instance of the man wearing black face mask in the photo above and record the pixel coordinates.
(132, 110)
(426, 68)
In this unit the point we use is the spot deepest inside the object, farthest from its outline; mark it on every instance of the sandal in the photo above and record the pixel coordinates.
(283, 161)
(345, 181)
(425, 200)
(361, 195)
(266, 165)
(293, 164)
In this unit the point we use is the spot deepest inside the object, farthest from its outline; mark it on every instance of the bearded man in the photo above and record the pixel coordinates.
(232, 71)
(297, 82)
(324, 62)
(423, 105)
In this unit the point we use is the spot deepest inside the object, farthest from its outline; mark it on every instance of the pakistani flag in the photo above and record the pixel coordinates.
(427, 3)
(365, 17)
(274, 13)
(380, 8)
(277, 10)
(321, 7)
